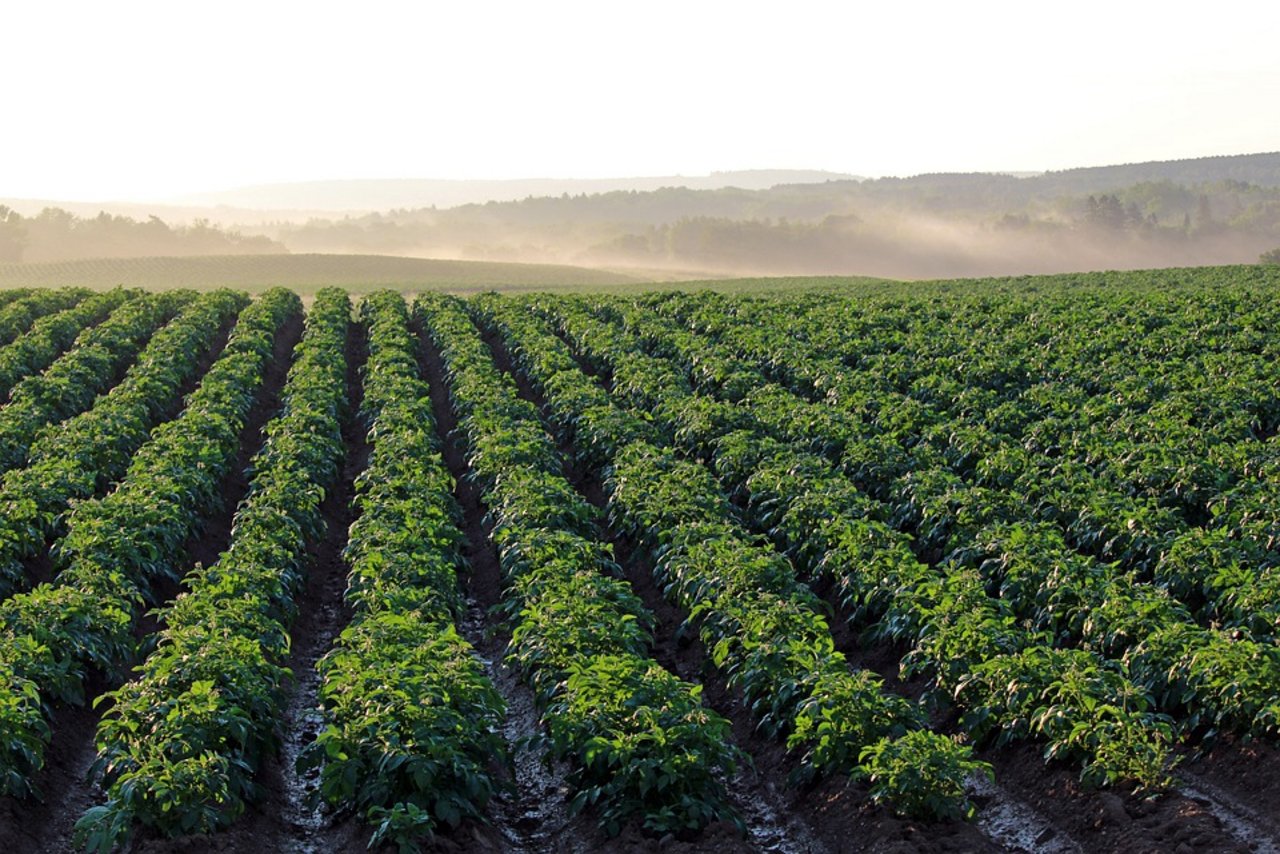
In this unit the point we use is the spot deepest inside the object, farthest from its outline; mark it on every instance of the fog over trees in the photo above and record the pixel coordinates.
(1216, 210)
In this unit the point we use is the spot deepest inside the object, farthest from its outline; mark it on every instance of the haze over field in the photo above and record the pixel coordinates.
(710, 139)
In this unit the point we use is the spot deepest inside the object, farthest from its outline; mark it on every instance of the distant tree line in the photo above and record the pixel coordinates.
(58, 235)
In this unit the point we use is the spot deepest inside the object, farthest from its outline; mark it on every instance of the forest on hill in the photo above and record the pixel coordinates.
(1206, 211)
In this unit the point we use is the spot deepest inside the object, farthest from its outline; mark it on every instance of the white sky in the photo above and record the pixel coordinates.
(151, 100)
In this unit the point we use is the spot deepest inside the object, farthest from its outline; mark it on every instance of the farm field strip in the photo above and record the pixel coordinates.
(776, 817)
(790, 473)
(204, 706)
(292, 815)
(773, 477)
(530, 812)
(526, 341)
(1161, 476)
(9, 295)
(754, 793)
(49, 336)
(90, 451)
(639, 741)
(65, 778)
(411, 724)
(70, 385)
(117, 548)
(668, 383)
(1116, 471)
(976, 567)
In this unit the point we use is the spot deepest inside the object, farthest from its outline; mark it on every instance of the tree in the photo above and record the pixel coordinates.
(1272, 257)
(1106, 212)
(13, 235)
(1204, 211)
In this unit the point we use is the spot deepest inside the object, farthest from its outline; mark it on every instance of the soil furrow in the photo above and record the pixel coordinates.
(1246, 773)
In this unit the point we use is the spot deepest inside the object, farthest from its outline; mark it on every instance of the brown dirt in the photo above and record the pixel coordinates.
(1247, 773)
(1112, 820)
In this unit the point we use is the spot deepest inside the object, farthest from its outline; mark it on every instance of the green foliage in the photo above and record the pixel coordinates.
(1073, 538)
(70, 384)
(641, 743)
(645, 745)
(84, 618)
(763, 629)
(845, 712)
(92, 449)
(413, 733)
(922, 774)
(179, 745)
(1083, 709)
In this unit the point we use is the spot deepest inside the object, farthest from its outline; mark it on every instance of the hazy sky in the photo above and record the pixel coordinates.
(142, 100)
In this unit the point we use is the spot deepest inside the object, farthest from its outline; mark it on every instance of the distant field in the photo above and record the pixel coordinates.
(362, 274)
(365, 273)
(306, 273)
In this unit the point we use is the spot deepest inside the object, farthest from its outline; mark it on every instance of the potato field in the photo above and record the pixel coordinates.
(987, 565)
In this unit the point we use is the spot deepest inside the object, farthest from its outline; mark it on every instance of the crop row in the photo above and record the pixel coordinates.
(639, 740)
(10, 295)
(118, 546)
(88, 452)
(179, 746)
(1130, 439)
(763, 627)
(413, 733)
(32, 352)
(16, 317)
(70, 384)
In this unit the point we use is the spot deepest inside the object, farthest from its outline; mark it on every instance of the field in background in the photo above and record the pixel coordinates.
(361, 274)
(305, 274)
